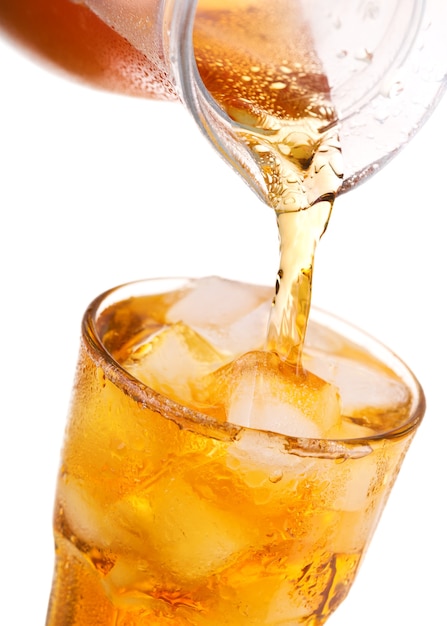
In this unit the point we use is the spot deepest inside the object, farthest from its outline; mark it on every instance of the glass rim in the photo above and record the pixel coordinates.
(194, 420)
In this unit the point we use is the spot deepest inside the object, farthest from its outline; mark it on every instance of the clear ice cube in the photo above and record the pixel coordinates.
(258, 390)
(174, 360)
(361, 383)
(177, 529)
(231, 316)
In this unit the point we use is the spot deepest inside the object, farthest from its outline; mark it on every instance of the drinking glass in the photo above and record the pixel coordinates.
(165, 514)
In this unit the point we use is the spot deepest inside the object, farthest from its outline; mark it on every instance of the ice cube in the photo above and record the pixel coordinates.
(83, 512)
(363, 384)
(233, 317)
(260, 391)
(174, 360)
(178, 530)
(361, 476)
(254, 403)
(263, 463)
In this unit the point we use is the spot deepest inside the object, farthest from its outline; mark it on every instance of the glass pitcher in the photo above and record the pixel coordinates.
(384, 61)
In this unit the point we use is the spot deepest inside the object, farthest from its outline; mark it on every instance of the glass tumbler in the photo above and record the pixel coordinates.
(166, 514)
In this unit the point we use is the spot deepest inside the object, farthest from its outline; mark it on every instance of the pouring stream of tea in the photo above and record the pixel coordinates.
(270, 83)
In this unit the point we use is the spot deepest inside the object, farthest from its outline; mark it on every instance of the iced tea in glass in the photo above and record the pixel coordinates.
(202, 481)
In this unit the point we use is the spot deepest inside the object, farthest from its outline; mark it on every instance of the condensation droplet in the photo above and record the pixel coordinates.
(396, 89)
(364, 55)
(278, 85)
(276, 476)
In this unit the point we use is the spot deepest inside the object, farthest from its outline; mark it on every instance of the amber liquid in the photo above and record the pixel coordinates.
(270, 83)
(163, 521)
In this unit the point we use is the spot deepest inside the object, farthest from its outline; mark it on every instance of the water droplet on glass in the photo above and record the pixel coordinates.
(364, 55)
(278, 85)
(392, 86)
(276, 476)
(342, 54)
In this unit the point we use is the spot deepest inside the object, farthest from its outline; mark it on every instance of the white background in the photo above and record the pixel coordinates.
(96, 190)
